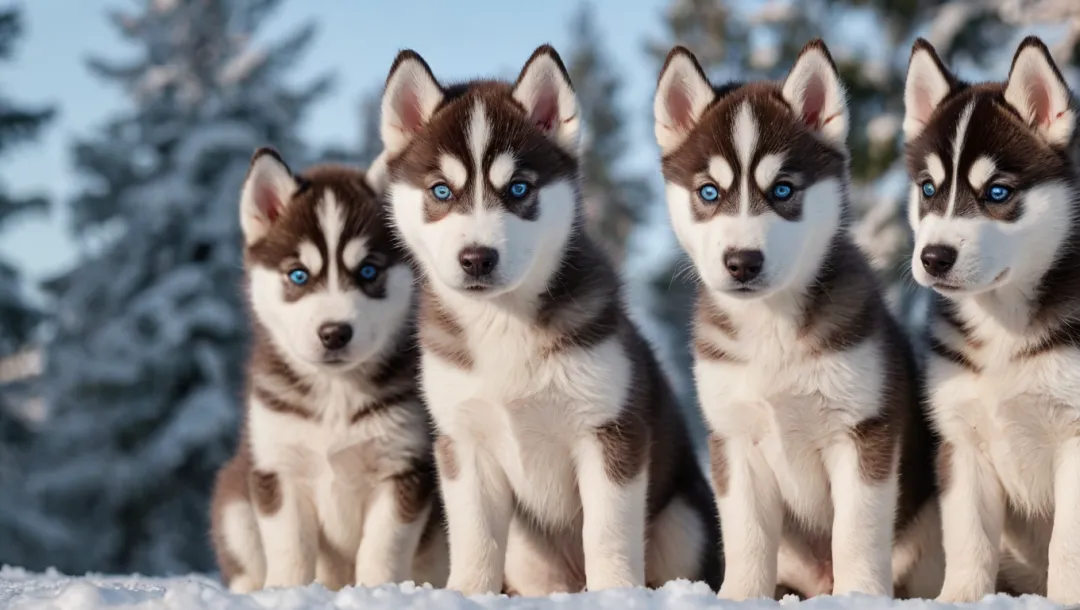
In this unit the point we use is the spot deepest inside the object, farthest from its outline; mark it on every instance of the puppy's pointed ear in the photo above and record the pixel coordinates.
(544, 89)
(267, 190)
(928, 83)
(683, 93)
(376, 175)
(815, 93)
(1038, 92)
(411, 96)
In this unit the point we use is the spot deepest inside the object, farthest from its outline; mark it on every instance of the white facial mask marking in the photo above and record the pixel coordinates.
(958, 148)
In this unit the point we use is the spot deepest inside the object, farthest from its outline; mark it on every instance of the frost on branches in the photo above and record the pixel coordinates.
(145, 369)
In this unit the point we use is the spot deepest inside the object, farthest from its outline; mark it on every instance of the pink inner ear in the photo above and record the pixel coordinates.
(813, 102)
(923, 106)
(545, 110)
(678, 105)
(268, 202)
(1039, 101)
(408, 109)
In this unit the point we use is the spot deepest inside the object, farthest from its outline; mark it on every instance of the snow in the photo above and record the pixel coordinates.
(22, 590)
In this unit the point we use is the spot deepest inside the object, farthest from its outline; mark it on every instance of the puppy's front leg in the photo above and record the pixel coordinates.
(751, 518)
(612, 481)
(972, 517)
(863, 479)
(479, 505)
(395, 521)
(288, 528)
(1063, 579)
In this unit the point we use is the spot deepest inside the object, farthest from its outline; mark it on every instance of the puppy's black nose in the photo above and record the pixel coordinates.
(938, 260)
(334, 335)
(744, 265)
(478, 261)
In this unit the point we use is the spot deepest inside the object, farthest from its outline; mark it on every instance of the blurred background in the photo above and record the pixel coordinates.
(126, 128)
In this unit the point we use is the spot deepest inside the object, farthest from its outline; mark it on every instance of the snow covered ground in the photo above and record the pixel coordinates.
(22, 590)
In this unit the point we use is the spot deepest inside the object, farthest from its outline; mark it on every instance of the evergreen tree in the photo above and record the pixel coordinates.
(615, 201)
(146, 369)
(20, 526)
(18, 124)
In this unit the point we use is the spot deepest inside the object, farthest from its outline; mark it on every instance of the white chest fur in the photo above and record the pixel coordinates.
(524, 410)
(1017, 411)
(789, 403)
(339, 457)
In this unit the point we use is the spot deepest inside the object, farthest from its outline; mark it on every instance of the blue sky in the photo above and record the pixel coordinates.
(357, 40)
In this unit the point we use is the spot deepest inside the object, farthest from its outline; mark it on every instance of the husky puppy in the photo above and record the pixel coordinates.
(334, 479)
(562, 456)
(822, 459)
(994, 203)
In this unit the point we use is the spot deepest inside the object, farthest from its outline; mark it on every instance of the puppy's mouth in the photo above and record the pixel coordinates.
(335, 361)
(745, 291)
(480, 286)
(953, 288)
(338, 359)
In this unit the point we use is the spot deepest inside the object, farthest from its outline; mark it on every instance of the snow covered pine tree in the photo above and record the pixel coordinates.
(145, 368)
(21, 531)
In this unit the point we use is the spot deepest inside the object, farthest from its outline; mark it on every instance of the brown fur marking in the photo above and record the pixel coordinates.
(266, 491)
(718, 462)
(383, 404)
(875, 439)
(275, 403)
(624, 441)
(414, 490)
(707, 350)
(440, 332)
(944, 465)
(446, 458)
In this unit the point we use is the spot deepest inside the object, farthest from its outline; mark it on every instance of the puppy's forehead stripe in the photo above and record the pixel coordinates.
(332, 222)
(453, 170)
(768, 168)
(479, 134)
(958, 149)
(502, 169)
(354, 252)
(744, 134)
(936, 169)
(982, 170)
(310, 257)
(721, 171)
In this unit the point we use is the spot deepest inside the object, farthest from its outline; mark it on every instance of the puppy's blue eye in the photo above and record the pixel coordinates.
(369, 272)
(298, 277)
(441, 192)
(928, 189)
(519, 189)
(709, 193)
(782, 191)
(998, 193)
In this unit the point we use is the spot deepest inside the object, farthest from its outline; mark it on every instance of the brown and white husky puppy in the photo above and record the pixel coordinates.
(562, 456)
(995, 204)
(821, 454)
(334, 478)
